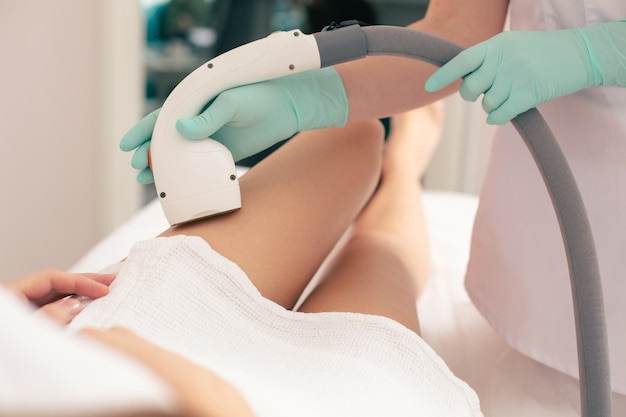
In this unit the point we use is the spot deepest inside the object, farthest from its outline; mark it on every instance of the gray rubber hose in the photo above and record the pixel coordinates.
(354, 42)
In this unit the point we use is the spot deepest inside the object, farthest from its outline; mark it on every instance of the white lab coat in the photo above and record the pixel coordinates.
(517, 274)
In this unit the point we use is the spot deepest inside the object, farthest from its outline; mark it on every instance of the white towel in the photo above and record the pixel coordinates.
(182, 295)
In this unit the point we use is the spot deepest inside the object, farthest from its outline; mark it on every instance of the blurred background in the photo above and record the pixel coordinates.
(77, 74)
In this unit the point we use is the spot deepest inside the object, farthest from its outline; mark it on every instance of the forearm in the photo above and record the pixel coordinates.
(374, 91)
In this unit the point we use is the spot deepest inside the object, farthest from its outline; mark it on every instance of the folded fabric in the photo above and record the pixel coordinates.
(182, 295)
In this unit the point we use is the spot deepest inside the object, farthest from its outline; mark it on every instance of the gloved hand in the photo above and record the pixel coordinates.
(251, 118)
(519, 70)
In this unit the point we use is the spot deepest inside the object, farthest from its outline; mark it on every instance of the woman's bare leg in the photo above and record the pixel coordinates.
(295, 205)
(384, 265)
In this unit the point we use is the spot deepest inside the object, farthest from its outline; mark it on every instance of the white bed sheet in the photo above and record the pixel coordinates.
(508, 383)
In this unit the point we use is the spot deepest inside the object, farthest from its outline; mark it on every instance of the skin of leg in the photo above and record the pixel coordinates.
(296, 204)
(384, 265)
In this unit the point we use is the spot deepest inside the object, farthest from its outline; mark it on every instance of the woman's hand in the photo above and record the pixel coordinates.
(49, 290)
(201, 393)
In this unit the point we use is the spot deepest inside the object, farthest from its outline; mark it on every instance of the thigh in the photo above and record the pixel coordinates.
(295, 205)
(368, 277)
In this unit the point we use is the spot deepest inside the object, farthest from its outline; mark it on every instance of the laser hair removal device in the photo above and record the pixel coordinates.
(195, 178)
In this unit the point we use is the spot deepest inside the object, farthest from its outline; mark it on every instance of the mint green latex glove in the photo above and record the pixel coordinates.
(138, 138)
(253, 117)
(518, 70)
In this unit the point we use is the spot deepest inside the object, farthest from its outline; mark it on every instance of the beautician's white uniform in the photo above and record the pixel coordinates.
(517, 274)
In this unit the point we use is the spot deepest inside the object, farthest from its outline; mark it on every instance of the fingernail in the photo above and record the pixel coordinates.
(73, 306)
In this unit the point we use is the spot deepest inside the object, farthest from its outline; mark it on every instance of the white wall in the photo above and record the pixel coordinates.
(70, 83)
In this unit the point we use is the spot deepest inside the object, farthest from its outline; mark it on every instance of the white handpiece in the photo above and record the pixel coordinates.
(197, 178)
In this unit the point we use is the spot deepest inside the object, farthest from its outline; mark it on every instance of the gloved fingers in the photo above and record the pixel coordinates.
(460, 66)
(496, 96)
(220, 112)
(504, 113)
(140, 157)
(241, 142)
(479, 81)
(145, 176)
(514, 105)
(139, 133)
